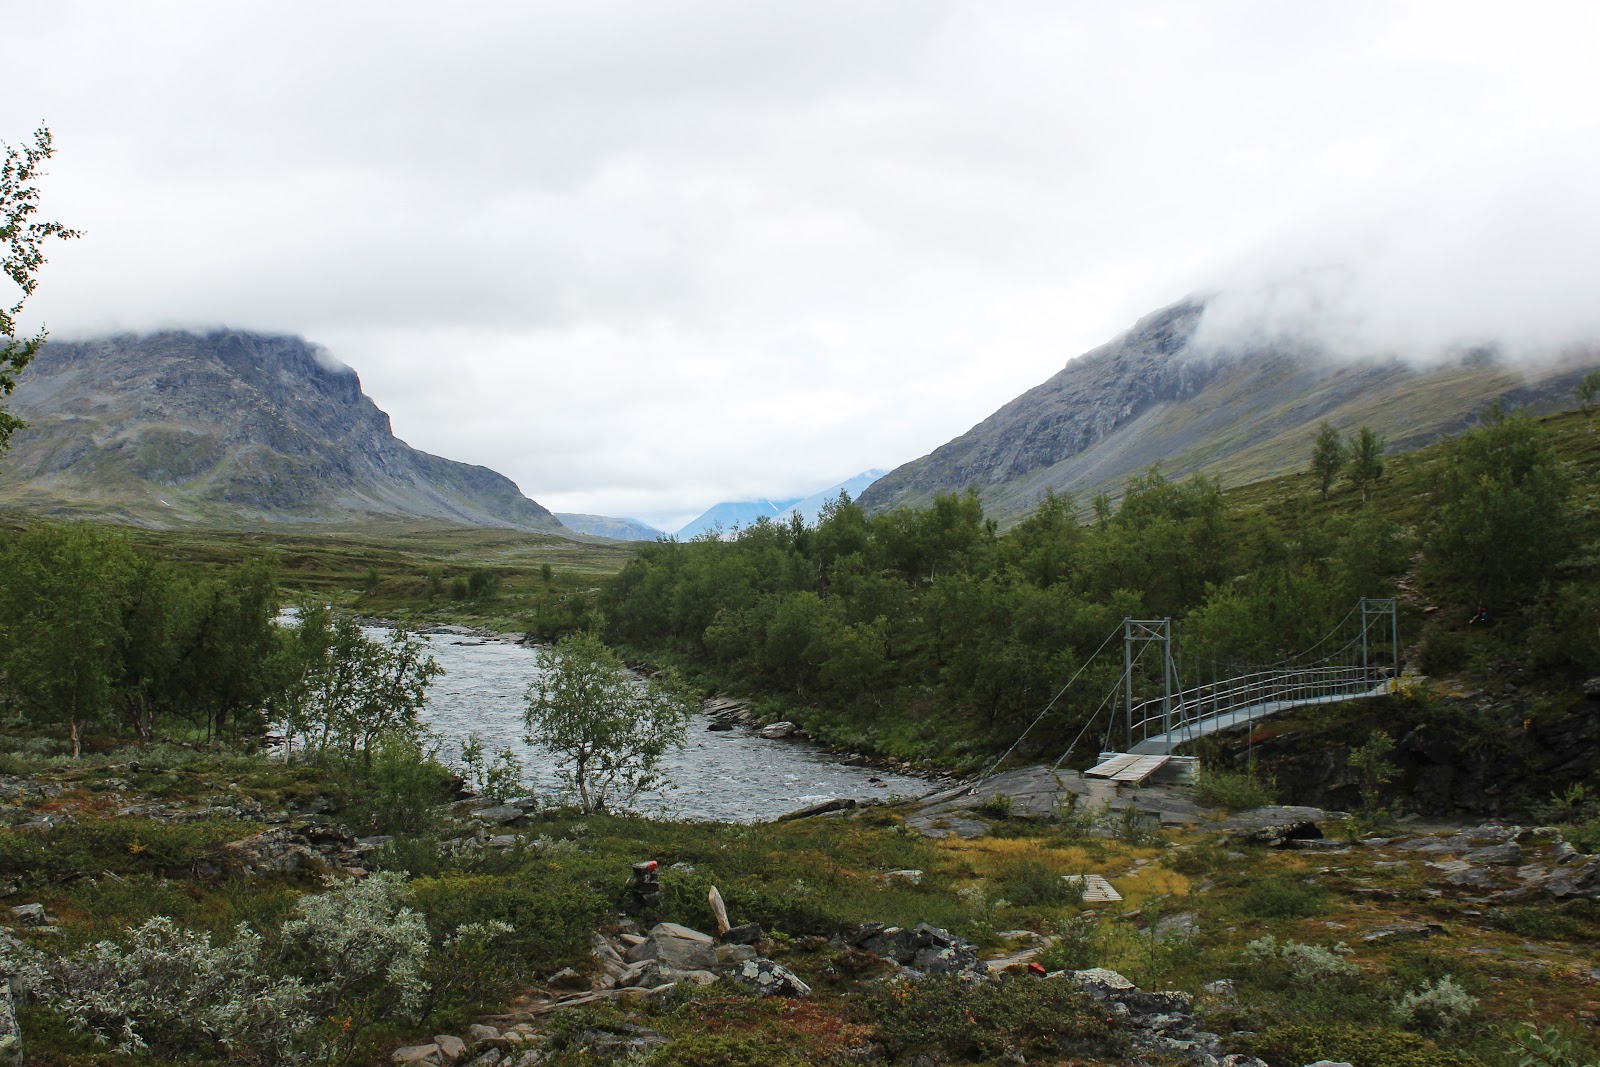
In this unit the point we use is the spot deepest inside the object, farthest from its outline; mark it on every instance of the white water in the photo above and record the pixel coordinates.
(730, 776)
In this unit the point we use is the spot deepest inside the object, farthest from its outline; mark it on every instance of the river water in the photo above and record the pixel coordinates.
(728, 776)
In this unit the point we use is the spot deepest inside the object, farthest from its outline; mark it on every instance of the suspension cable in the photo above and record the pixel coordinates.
(1081, 668)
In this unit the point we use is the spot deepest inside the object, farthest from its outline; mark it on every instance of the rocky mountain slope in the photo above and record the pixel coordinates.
(1153, 395)
(225, 427)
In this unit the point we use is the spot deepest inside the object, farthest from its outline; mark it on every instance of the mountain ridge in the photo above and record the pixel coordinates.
(1153, 395)
(178, 427)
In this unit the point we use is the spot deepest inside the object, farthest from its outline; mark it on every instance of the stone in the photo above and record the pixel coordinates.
(822, 808)
(909, 876)
(770, 979)
(452, 1048)
(1506, 855)
(10, 1030)
(500, 814)
(29, 914)
(566, 978)
(728, 955)
(1177, 925)
(421, 1054)
(893, 943)
(778, 730)
(747, 934)
(504, 841)
(680, 948)
(491, 1058)
(478, 1033)
(1273, 826)
(1577, 879)
(1099, 981)
(1403, 932)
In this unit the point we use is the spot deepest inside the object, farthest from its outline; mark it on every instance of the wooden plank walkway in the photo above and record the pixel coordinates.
(1130, 768)
(1096, 890)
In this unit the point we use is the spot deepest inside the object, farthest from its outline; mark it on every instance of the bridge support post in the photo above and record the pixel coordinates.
(1147, 630)
(1373, 609)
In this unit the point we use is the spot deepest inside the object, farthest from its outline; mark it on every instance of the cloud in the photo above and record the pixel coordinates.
(642, 257)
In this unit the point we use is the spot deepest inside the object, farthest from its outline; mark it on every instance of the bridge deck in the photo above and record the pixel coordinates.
(1166, 743)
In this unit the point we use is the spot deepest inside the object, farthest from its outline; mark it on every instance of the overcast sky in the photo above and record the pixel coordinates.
(643, 256)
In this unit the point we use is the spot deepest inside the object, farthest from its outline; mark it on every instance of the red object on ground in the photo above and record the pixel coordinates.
(652, 865)
(1034, 968)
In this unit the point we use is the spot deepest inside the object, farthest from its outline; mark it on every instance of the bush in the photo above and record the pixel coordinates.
(1311, 963)
(996, 807)
(987, 1019)
(1031, 883)
(1367, 1045)
(1436, 1008)
(404, 785)
(1235, 790)
(173, 993)
(1280, 897)
(1080, 944)
(359, 938)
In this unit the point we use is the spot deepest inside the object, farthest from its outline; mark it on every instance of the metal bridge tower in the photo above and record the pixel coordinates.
(1147, 631)
(1375, 612)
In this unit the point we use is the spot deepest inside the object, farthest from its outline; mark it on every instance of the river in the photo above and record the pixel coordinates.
(728, 776)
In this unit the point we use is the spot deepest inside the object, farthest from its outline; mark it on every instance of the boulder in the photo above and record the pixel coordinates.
(1506, 855)
(10, 1029)
(490, 1058)
(479, 1033)
(893, 943)
(500, 814)
(1403, 932)
(417, 1054)
(1273, 826)
(451, 1048)
(778, 730)
(29, 914)
(822, 808)
(1575, 879)
(729, 955)
(769, 978)
(747, 934)
(679, 947)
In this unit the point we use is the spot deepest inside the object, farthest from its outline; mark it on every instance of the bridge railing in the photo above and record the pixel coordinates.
(1298, 685)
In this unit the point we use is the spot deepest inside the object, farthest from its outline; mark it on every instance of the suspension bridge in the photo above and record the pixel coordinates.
(1358, 657)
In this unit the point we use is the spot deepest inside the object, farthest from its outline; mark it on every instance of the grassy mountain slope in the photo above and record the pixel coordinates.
(1151, 396)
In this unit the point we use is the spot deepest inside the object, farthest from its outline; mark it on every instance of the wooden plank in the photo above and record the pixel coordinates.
(1111, 766)
(1141, 768)
(1096, 890)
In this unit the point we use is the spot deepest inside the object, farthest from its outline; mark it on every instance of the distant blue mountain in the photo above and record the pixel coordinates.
(737, 514)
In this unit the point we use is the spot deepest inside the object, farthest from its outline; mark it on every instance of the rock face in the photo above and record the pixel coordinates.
(1156, 394)
(175, 426)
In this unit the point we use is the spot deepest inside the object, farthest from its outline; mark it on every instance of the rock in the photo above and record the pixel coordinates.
(769, 978)
(1099, 981)
(1177, 925)
(728, 955)
(1506, 855)
(893, 943)
(719, 726)
(1473, 878)
(747, 934)
(822, 808)
(778, 730)
(1403, 932)
(478, 1033)
(680, 948)
(504, 841)
(452, 1048)
(500, 815)
(29, 914)
(566, 978)
(910, 877)
(491, 1058)
(1591, 688)
(1576, 879)
(10, 1029)
(1273, 826)
(423, 1054)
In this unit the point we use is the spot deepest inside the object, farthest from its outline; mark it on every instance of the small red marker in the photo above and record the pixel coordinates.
(1034, 968)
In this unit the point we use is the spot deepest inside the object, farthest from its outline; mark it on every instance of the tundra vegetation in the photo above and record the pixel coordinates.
(209, 909)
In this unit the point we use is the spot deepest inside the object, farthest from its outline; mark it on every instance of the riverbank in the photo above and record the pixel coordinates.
(93, 849)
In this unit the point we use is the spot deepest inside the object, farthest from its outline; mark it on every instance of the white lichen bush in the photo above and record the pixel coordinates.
(1436, 1007)
(1310, 963)
(170, 990)
(360, 933)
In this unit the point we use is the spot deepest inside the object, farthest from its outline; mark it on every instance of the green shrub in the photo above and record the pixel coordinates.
(1309, 963)
(1535, 922)
(1235, 790)
(1436, 1008)
(1030, 883)
(996, 807)
(1445, 652)
(724, 1050)
(1282, 897)
(954, 1018)
(403, 786)
(1079, 945)
(1368, 1046)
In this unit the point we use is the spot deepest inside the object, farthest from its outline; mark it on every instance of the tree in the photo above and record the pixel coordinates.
(1503, 507)
(611, 728)
(24, 238)
(1364, 467)
(1327, 457)
(1588, 394)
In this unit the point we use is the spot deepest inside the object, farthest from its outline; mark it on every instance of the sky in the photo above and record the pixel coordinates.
(644, 256)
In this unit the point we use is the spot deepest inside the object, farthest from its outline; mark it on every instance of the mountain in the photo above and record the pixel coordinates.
(1241, 413)
(606, 526)
(735, 513)
(811, 507)
(740, 513)
(224, 427)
